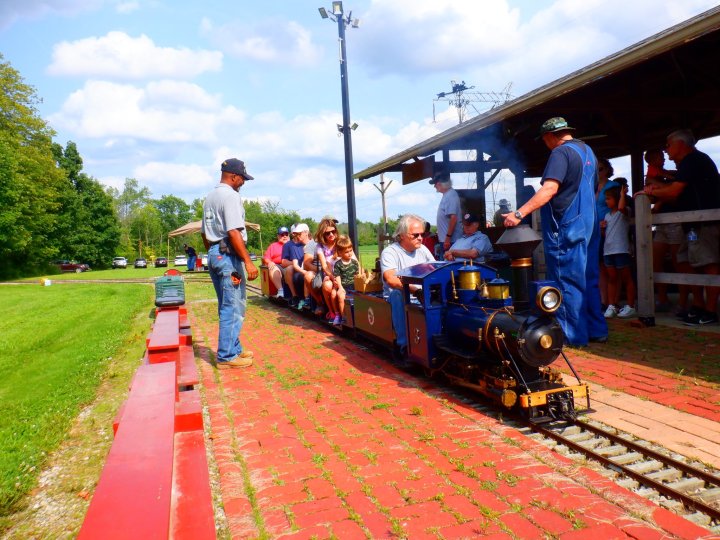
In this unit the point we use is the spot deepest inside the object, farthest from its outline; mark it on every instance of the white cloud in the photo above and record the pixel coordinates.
(120, 56)
(182, 178)
(164, 111)
(268, 41)
(127, 7)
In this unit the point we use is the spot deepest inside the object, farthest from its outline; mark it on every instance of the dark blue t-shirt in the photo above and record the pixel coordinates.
(565, 166)
(293, 250)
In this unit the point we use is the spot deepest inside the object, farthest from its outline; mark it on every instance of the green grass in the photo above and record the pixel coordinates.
(56, 343)
(367, 256)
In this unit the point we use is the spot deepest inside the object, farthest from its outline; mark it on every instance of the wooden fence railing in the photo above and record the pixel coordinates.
(644, 220)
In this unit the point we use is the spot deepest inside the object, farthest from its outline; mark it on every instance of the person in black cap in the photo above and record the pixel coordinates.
(571, 232)
(448, 213)
(472, 244)
(225, 237)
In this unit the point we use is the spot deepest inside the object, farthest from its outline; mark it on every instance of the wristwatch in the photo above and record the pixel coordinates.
(518, 214)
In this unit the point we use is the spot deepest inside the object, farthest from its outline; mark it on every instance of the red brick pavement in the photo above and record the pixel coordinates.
(323, 439)
(676, 367)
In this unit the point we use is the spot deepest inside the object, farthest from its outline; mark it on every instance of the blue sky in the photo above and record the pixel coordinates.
(164, 90)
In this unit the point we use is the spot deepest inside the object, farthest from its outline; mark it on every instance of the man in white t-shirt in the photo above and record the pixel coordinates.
(407, 250)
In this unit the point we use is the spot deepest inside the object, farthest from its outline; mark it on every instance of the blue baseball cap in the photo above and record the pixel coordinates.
(282, 230)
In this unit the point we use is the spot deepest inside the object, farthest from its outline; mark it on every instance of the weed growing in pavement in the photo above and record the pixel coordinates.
(371, 396)
(319, 459)
(416, 411)
(370, 455)
(510, 479)
(516, 508)
(378, 406)
(426, 437)
(396, 528)
(388, 427)
(490, 464)
(350, 381)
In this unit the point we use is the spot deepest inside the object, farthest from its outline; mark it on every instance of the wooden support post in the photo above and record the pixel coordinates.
(644, 257)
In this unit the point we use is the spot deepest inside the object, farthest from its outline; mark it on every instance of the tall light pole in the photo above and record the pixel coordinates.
(336, 14)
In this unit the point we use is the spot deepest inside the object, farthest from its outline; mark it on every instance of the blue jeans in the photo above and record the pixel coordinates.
(191, 263)
(232, 301)
(397, 312)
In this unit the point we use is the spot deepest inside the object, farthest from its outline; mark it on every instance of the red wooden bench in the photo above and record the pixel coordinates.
(156, 482)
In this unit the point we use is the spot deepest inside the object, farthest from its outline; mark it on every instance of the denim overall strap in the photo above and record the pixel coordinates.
(572, 252)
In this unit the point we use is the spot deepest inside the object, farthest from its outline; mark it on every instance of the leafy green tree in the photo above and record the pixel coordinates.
(30, 183)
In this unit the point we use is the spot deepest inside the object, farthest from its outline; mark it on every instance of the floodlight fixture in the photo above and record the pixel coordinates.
(337, 8)
(323, 12)
(355, 23)
(354, 126)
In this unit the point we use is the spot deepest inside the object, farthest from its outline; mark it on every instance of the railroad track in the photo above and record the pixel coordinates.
(687, 488)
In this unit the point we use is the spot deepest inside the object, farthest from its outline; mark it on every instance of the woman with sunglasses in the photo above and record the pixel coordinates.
(326, 238)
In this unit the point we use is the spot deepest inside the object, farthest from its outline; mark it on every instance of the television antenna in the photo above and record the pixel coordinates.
(467, 100)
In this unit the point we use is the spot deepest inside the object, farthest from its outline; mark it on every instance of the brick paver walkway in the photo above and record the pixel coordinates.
(322, 439)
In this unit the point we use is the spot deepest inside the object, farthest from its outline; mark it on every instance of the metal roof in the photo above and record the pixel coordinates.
(626, 102)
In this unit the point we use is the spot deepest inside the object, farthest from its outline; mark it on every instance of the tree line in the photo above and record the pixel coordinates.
(51, 209)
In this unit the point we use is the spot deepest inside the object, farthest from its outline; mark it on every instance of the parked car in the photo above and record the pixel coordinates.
(160, 261)
(119, 262)
(180, 260)
(140, 263)
(71, 266)
(253, 257)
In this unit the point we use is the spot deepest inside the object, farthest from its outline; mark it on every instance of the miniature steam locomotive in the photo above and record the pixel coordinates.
(464, 324)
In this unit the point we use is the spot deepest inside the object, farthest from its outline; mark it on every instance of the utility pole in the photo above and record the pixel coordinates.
(382, 189)
(337, 15)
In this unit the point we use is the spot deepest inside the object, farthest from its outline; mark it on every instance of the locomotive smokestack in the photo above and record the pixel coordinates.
(519, 243)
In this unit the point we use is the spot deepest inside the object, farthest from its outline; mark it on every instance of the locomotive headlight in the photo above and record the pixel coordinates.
(548, 299)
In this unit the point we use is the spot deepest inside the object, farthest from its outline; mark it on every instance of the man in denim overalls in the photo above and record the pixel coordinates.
(571, 234)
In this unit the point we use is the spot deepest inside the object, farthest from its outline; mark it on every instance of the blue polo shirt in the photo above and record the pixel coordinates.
(478, 241)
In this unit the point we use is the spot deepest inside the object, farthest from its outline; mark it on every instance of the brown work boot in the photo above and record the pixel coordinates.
(244, 359)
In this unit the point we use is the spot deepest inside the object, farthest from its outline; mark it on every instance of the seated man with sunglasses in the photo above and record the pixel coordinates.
(407, 250)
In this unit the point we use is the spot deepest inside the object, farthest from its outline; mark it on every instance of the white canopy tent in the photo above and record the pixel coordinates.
(196, 226)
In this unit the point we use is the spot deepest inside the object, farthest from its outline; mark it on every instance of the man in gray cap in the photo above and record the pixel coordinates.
(571, 234)
(503, 208)
(448, 213)
(225, 237)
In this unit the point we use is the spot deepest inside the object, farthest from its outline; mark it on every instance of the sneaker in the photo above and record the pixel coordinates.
(692, 319)
(337, 320)
(300, 305)
(708, 317)
(599, 339)
(294, 301)
(279, 295)
(244, 359)
(611, 312)
(627, 312)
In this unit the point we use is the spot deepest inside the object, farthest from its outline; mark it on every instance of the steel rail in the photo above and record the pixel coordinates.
(687, 500)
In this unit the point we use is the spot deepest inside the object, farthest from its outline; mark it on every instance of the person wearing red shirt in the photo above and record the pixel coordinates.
(273, 258)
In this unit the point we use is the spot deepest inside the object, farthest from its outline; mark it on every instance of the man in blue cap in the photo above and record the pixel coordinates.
(472, 244)
(571, 235)
(225, 237)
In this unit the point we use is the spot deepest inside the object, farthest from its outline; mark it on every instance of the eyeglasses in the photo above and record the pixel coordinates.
(283, 234)
(328, 233)
(415, 235)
